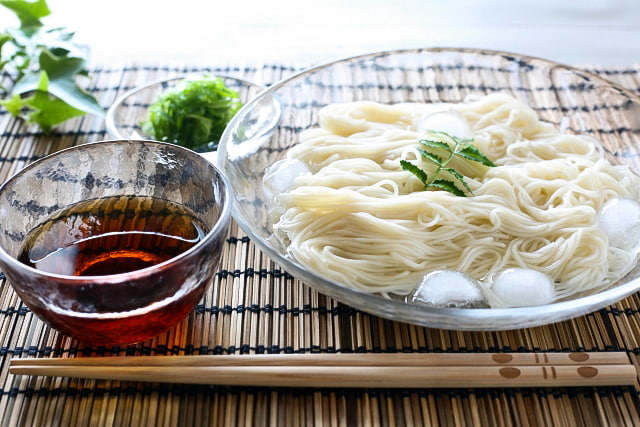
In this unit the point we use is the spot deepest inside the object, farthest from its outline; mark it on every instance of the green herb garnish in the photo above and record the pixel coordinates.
(451, 147)
(42, 65)
(193, 114)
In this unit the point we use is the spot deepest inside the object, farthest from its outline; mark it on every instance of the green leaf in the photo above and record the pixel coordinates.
(63, 87)
(460, 141)
(43, 65)
(472, 153)
(432, 157)
(59, 65)
(457, 175)
(29, 13)
(61, 82)
(435, 144)
(60, 42)
(455, 147)
(40, 107)
(449, 186)
(69, 92)
(14, 104)
(410, 167)
(48, 111)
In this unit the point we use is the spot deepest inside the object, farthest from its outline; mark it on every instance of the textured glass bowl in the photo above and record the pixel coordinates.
(130, 306)
(583, 102)
(130, 110)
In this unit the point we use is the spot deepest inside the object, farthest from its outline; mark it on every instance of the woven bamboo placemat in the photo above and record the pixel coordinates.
(255, 307)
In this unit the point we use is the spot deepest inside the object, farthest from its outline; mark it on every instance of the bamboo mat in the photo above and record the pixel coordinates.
(255, 307)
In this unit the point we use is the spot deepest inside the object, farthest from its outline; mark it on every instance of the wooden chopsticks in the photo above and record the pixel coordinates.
(387, 370)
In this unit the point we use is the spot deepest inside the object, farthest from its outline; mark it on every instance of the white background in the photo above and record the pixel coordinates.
(585, 32)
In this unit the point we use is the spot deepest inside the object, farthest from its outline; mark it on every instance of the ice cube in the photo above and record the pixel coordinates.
(620, 220)
(523, 287)
(280, 176)
(450, 122)
(444, 288)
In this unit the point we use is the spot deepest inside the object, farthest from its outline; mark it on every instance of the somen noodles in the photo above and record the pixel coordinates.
(362, 220)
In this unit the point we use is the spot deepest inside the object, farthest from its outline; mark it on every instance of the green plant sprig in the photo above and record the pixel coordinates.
(453, 146)
(41, 65)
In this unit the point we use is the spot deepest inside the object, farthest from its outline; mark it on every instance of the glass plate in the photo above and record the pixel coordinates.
(263, 131)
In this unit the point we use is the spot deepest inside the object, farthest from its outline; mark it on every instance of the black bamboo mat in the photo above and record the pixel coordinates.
(255, 307)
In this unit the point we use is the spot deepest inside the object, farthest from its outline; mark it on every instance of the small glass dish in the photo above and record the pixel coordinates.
(124, 117)
(114, 242)
(561, 95)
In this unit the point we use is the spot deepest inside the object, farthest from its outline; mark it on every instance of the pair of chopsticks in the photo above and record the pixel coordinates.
(368, 370)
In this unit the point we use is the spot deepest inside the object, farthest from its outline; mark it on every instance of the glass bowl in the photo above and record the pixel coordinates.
(124, 117)
(567, 97)
(114, 242)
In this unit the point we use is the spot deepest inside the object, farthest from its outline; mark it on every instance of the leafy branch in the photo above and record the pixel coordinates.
(42, 65)
(452, 147)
